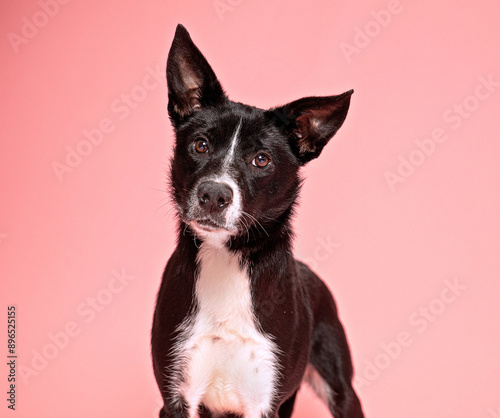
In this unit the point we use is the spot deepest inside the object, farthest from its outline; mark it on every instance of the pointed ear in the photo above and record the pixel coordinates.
(192, 84)
(311, 122)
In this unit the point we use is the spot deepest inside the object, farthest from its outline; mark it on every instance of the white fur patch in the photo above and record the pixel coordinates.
(234, 142)
(225, 362)
(234, 211)
(318, 384)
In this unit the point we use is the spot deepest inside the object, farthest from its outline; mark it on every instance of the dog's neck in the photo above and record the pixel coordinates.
(260, 240)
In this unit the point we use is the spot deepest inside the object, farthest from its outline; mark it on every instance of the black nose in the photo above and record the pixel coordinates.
(214, 197)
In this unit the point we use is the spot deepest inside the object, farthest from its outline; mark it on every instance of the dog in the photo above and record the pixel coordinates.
(239, 323)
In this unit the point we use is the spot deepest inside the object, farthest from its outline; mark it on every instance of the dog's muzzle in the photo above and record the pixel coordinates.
(214, 207)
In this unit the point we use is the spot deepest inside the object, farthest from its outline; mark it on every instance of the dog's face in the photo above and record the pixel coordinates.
(236, 167)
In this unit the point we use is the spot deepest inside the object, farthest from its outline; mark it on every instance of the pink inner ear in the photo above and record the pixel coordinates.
(303, 132)
(309, 127)
(189, 77)
(191, 82)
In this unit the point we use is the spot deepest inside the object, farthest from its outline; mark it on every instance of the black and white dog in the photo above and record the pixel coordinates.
(239, 323)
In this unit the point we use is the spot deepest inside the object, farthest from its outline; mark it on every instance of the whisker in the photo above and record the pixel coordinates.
(159, 190)
(162, 206)
(256, 222)
(170, 212)
(246, 226)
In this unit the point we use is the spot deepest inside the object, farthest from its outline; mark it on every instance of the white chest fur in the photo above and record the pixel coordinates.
(229, 365)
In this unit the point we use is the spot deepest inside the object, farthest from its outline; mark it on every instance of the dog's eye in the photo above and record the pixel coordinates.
(201, 145)
(261, 160)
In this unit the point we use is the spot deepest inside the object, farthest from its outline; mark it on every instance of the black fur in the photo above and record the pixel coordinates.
(290, 302)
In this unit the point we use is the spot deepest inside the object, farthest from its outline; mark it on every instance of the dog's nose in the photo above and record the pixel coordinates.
(214, 197)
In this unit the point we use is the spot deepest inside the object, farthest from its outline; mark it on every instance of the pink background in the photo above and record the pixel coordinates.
(415, 267)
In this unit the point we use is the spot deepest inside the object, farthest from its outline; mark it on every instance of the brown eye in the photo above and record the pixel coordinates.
(201, 145)
(261, 160)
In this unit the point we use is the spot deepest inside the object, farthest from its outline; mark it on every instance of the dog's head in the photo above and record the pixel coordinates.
(235, 168)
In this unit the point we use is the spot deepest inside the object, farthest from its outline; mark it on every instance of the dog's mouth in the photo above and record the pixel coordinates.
(207, 225)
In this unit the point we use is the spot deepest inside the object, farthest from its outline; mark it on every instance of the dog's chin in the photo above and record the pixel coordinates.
(210, 232)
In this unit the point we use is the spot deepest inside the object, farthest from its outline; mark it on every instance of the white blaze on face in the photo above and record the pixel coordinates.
(234, 142)
(234, 211)
(225, 176)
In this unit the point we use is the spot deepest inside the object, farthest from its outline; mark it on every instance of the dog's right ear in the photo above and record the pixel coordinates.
(192, 84)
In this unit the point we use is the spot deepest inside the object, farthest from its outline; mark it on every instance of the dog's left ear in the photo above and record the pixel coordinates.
(192, 83)
(311, 122)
